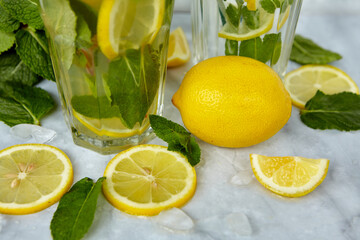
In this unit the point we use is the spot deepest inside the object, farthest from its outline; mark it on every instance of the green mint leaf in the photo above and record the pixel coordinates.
(305, 51)
(85, 12)
(7, 23)
(61, 26)
(252, 48)
(270, 5)
(231, 47)
(94, 107)
(33, 50)
(23, 104)
(251, 18)
(234, 14)
(83, 34)
(133, 80)
(177, 137)
(7, 40)
(339, 111)
(25, 11)
(76, 210)
(12, 69)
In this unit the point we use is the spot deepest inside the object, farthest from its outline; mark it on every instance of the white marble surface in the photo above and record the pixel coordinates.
(221, 209)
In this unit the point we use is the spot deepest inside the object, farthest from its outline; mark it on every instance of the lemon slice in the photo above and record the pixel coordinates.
(289, 176)
(32, 177)
(146, 179)
(128, 24)
(303, 83)
(243, 32)
(112, 127)
(251, 5)
(283, 18)
(178, 52)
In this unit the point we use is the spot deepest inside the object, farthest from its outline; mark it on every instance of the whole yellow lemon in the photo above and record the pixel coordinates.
(232, 101)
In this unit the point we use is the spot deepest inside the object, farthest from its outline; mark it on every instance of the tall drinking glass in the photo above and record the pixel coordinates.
(109, 58)
(260, 29)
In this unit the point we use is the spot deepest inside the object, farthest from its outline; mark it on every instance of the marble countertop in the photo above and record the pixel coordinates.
(332, 211)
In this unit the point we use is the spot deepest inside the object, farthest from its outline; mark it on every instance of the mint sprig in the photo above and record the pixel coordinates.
(338, 111)
(76, 210)
(177, 137)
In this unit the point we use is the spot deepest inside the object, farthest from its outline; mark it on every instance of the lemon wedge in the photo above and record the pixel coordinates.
(243, 32)
(251, 5)
(126, 24)
(289, 176)
(304, 82)
(32, 178)
(146, 179)
(178, 52)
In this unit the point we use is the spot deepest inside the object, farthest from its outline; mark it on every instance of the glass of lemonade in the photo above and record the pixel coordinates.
(109, 58)
(260, 29)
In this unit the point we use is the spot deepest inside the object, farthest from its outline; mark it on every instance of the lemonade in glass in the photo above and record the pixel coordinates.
(109, 59)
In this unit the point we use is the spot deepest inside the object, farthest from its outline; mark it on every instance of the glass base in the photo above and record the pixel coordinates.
(112, 145)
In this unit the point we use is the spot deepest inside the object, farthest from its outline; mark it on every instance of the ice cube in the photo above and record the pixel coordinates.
(38, 133)
(174, 219)
(239, 223)
(242, 178)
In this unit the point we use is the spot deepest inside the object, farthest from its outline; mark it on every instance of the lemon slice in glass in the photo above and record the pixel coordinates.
(178, 52)
(251, 5)
(146, 179)
(128, 24)
(289, 176)
(304, 82)
(243, 32)
(32, 177)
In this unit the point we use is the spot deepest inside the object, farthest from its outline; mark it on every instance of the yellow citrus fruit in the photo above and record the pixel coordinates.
(146, 179)
(232, 101)
(289, 176)
(283, 18)
(123, 24)
(304, 82)
(251, 5)
(32, 177)
(243, 32)
(178, 51)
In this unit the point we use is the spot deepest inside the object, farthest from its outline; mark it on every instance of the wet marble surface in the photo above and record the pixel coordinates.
(332, 211)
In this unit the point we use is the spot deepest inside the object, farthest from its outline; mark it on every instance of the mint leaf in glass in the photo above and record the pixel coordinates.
(339, 111)
(12, 69)
(25, 11)
(251, 18)
(231, 47)
(23, 104)
(7, 40)
(33, 50)
(177, 137)
(305, 51)
(7, 23)
(132, 81)
(76, 210)
(270, 5)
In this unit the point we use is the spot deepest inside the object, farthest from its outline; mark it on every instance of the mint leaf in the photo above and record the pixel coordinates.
(93, 107)
(177, 137)
(339, 111)
(305, 51)
(33, 50)
(25, 11)
(251, 48)
(270, 5)
(7, 23)
(231, 47)
(61, 26)
(251, 18)
(12, 69)
(83, 34)
(76, 210)
(23, 104)
(7, 40)
(133, 81)
(85, 12)
(234, 13)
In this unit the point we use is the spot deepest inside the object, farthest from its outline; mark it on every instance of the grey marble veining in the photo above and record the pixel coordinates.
(332, 211)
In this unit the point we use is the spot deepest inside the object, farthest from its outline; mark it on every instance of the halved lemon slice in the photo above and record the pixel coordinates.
(112, 127)
(146, 179)
(32, 177)
(251, 5)
(243, 32)
(304, 82)
(289, 176)
(128, 24)
(178, 52)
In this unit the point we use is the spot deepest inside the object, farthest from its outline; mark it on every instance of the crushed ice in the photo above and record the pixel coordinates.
(239, 223)
(38, 133)
(174, 219)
